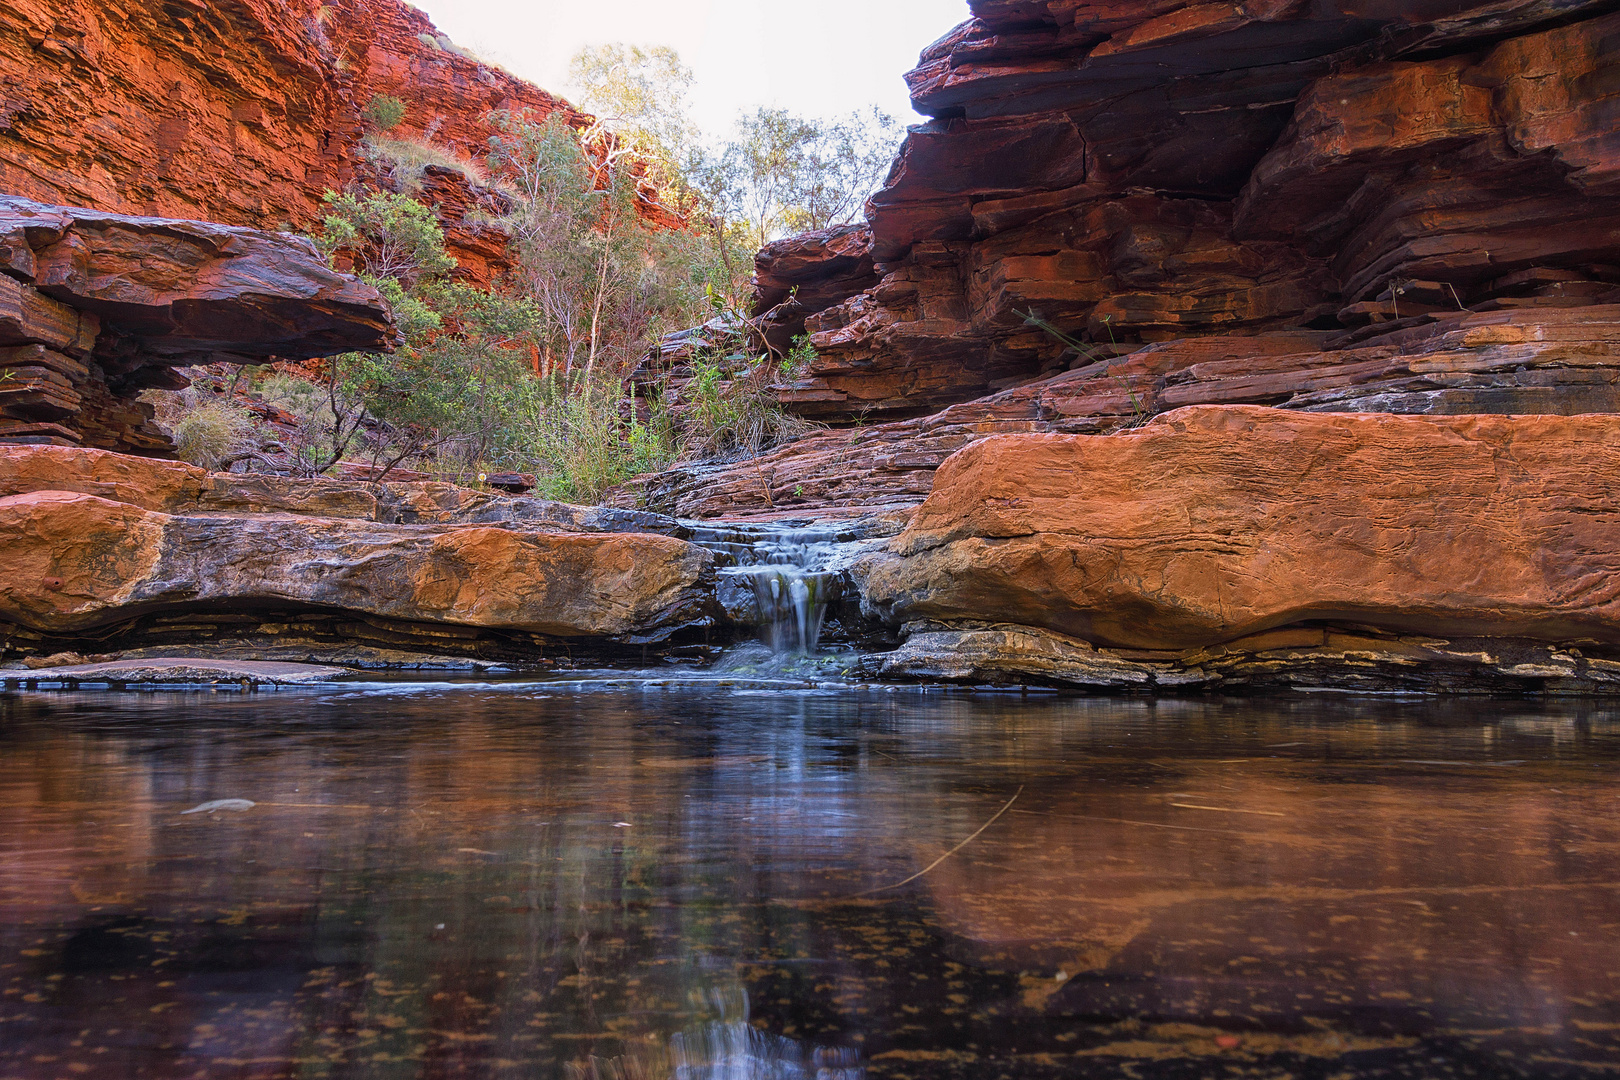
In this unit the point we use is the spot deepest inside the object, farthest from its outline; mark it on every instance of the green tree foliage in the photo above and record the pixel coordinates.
(529, 374)
(449, 384)
(781, 173)
(603, 278)
(390, 237)
(639, 97)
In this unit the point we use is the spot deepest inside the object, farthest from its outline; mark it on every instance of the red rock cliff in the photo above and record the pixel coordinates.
(1152, 171)
(237, 111)
(1345, 206)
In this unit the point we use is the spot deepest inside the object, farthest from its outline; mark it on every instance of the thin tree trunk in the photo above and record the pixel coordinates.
(601, 296)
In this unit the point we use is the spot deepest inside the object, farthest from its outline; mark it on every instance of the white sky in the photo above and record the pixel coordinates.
(815, 58)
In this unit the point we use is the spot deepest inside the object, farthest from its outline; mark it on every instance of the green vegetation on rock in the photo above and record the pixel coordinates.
(621, 232)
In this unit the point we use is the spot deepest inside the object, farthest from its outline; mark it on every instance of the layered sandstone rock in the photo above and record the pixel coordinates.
(78, 562)
(799, 276)
(1512, 360)
(107, 552)
(243, 113)
(95, 307)
(1212, 526)
(1145, 173)
(174, 487)
(1326, 208)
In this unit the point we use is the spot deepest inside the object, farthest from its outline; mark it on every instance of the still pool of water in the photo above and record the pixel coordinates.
(533, 880)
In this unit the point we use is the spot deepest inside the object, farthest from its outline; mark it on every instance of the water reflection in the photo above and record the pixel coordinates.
(544, 880)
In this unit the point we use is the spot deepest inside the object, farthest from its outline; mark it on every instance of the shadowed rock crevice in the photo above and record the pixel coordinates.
(96, 307)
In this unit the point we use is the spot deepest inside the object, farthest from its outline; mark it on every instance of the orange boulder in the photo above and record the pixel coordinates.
(1210, 524)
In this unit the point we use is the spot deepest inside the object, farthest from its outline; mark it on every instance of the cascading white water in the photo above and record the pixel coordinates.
(793, 573)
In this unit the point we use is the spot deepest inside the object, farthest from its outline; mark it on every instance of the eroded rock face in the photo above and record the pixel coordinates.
(243, 113)
(95, 307)
(1214, 524)
(799, 276)
(1513, 360)
(1150, 172)
(77, 562)
(125, 553)
(174, 487)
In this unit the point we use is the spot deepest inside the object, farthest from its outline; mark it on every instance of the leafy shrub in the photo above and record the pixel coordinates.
(799, 360)
(737, 417)
(580, 444)
(394, 238)
(384, 112)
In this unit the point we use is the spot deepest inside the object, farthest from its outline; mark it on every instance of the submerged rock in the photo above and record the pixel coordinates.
(184, 669)
(234, 805)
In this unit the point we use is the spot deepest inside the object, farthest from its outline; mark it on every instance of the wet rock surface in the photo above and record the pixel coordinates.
(180, 670)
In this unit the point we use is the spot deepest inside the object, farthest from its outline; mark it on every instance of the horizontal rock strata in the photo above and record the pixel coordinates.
(1143, 173)
(175, 487)
(107, 552)
(1328, 660)
(1511, 360)
(1212, 525)
(179, 671)
(96, 307)
(244, 113)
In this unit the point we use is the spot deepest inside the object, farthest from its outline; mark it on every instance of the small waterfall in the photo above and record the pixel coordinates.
(794, 573)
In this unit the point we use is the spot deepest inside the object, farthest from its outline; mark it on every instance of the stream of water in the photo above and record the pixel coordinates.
(791, 573)
(725, 879)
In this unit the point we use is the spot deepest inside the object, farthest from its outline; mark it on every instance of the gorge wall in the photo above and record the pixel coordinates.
(243, 111)
(1343, 206)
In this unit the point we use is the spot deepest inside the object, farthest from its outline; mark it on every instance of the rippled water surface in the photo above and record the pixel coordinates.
(538, 881)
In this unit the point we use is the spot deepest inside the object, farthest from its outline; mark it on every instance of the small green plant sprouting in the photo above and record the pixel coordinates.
(1139, 411)
(384, 112)
(800, 358)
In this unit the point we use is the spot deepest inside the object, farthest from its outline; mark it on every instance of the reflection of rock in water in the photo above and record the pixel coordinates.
(729, 1048)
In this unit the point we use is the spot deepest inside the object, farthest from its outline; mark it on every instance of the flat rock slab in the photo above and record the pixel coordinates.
(1211, 524)
(76, 561)
(188, 670)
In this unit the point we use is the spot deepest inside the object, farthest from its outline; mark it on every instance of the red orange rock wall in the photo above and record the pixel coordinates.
(1140, 173)
(239, 111)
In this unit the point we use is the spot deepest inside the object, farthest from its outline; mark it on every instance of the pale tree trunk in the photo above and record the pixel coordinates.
(601, 297)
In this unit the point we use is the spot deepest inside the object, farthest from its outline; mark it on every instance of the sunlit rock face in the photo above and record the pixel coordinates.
(1277, 204)
(107, 552)
(242, 113)
(96, 307)
(1215, 535)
